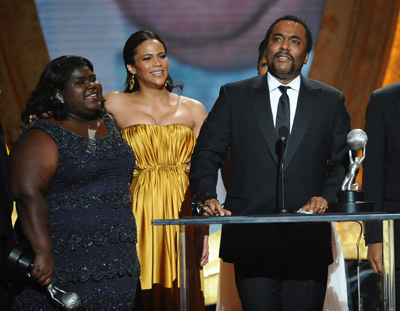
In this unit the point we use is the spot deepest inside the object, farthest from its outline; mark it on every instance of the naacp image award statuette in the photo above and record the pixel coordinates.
(349, 199)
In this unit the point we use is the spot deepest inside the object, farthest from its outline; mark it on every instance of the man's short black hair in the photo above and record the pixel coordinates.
(297, 20)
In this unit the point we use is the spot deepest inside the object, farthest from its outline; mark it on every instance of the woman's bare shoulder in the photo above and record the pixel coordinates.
(192, 104)
(190, 101)
(116, 96)
(117, 100)
(32, 143)
(196, 110)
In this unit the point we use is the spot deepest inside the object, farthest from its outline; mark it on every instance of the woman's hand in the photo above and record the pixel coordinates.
(205, 253)
(43, 268)
(45, 115)
(375, 257)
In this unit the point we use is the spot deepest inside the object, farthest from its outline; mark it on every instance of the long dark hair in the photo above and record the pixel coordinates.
(54, 76)
(130, 50)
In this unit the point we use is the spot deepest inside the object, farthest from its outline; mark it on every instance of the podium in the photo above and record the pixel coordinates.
(384, 217)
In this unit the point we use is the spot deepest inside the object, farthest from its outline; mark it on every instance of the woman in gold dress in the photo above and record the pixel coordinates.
(161, 127)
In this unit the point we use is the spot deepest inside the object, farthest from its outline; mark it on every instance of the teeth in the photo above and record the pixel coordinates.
(156, 72)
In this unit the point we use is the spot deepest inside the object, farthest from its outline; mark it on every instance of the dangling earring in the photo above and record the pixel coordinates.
(132, 83)
(60, 98)
(166, 83)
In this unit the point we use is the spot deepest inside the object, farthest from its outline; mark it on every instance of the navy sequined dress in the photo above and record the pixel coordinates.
(90, 221)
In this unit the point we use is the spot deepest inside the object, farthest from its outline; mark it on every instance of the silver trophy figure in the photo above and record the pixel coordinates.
(19, 265)
(69, 300)
(357, 139)
(349, 199)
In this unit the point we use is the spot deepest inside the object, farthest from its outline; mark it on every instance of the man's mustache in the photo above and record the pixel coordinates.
(283, 53)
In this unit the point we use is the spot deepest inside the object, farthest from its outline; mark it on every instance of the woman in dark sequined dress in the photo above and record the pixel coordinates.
(71, 173)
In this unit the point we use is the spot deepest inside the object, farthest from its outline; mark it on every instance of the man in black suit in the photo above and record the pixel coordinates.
(277, 266)
(5, 218)
(381, 172)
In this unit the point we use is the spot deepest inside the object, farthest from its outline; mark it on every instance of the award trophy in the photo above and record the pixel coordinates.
(19, 265)
(349, 199)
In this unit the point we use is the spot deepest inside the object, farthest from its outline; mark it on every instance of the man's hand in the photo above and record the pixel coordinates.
(214, 208)
(316, 205)
(375, 251)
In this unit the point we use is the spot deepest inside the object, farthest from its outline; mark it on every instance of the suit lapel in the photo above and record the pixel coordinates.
(259, 94)
(308, 97)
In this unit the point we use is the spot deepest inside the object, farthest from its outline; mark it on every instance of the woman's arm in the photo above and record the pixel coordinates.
(34, 161)
(199, 113)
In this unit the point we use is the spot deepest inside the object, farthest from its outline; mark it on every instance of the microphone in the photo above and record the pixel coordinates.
(280, 146)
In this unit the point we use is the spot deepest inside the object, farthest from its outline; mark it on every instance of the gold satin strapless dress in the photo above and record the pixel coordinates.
(159, 190)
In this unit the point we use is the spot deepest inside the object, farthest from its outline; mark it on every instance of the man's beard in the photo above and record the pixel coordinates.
(282, 75)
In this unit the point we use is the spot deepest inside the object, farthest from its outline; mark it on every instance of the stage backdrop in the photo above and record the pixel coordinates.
(209, 42)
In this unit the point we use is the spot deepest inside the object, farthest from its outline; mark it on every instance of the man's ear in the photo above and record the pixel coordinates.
(306, 59)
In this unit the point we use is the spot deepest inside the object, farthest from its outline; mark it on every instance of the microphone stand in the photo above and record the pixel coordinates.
(280, 180)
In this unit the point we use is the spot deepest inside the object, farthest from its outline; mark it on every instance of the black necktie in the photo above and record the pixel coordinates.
(283, 113)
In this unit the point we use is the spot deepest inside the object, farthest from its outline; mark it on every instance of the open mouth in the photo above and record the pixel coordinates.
(157, 73)
(283, 57)
(93, 96)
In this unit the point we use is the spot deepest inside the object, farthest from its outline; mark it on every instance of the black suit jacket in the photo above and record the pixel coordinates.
(6, 237)
(5, 190)
(241, 120)
(381, 168)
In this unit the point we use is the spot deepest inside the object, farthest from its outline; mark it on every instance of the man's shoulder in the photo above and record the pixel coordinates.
(388, 90)
(246, 82)
(315, 84)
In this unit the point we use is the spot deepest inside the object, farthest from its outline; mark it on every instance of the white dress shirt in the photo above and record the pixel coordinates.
(275, 93)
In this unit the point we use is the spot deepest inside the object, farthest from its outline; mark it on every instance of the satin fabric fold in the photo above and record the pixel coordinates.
(159, 190)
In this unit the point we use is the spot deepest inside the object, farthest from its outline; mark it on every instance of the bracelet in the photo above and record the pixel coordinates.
(197, 203)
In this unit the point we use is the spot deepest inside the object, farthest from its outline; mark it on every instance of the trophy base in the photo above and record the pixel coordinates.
(282, 211)
(350, 202)
(351, 207)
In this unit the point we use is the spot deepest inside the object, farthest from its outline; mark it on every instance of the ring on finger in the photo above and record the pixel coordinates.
(205, 208)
